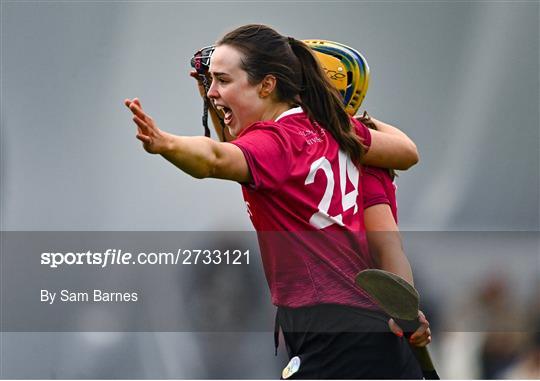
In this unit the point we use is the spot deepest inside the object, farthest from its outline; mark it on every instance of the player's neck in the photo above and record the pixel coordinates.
(275, 111)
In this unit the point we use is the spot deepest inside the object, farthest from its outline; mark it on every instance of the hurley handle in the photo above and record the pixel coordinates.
(424, 359)
(421, 353)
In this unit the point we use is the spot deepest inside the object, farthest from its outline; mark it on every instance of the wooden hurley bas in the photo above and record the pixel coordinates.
(400, 300)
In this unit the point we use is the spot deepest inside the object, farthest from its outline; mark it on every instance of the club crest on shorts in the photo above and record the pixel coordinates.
(291, 368)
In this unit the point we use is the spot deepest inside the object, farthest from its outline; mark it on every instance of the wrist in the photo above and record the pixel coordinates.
(169, 143)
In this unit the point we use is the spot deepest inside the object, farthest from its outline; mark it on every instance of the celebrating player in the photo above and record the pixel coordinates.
(297, 155)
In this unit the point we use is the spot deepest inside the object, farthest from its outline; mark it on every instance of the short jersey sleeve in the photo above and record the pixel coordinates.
(378, 188)
(267, 152)
(373, 185)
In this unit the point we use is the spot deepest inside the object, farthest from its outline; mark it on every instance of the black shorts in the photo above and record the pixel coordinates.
(340, 342)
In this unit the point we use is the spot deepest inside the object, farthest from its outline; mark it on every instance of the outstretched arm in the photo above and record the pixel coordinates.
(199, 157)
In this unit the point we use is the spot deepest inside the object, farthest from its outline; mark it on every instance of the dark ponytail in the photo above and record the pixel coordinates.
(300, 79)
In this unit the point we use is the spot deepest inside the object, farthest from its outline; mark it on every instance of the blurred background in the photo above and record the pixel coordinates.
(460, 78)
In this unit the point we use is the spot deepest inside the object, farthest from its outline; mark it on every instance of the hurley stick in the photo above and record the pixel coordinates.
(400, 300)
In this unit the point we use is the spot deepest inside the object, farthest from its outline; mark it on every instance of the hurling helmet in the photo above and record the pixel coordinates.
(346, 68)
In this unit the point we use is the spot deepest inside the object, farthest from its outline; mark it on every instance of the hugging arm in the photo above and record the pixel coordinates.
(390, 148)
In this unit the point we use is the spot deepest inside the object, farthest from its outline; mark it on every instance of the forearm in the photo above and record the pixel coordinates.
(388, 129)
(384, 241)
(390, 147)
(197, 156)
(392, 258)
(391, 150)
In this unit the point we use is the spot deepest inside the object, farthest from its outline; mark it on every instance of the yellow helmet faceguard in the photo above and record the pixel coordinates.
(346, 68)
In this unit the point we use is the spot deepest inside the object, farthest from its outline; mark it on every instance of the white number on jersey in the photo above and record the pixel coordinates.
(347, 169)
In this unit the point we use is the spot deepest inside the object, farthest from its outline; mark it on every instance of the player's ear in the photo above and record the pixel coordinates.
(267, 85)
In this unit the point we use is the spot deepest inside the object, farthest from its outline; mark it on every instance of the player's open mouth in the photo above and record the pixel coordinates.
(227, 114)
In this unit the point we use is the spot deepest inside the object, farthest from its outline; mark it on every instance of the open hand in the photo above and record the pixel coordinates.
(154, 140)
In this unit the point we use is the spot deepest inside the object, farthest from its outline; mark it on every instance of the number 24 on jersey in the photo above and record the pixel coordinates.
(347, 170)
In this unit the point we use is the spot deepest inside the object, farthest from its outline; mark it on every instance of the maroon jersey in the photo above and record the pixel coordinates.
(379, 188)
(305, 202)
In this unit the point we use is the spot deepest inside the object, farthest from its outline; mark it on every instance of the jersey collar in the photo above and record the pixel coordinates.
(295, 110)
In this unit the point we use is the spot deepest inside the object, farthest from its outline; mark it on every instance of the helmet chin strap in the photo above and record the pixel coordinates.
(206, 106)
(205, 117)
